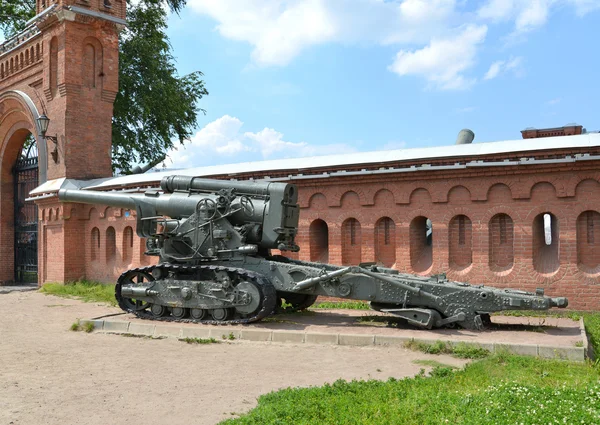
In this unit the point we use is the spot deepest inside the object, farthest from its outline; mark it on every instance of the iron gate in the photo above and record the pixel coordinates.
(26, 214)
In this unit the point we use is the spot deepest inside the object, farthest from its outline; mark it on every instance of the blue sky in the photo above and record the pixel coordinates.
(310, 77)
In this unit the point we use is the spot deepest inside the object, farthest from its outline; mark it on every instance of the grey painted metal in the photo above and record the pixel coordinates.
(465, 137)
(214, 239)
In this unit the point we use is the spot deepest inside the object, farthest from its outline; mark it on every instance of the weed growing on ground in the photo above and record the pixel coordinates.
(89, 327)
(84, 290)
(130, 335)
(432, 363)
(199, 340)
(461, 350)
(348, 305)
(75, 327)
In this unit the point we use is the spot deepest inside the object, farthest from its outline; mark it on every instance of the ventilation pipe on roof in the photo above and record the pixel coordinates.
(465, 137)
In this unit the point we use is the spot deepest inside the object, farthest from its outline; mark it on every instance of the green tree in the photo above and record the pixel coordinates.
(155, 106)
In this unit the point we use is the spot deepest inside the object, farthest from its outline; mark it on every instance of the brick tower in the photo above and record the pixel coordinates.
(64, 65)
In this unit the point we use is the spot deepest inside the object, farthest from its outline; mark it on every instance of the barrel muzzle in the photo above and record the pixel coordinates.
(560, 302)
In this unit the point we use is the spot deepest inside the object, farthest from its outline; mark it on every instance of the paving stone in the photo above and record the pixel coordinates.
(116, 326)
(575, 354)
(223, 334)
(391, 340)
(195, 332)
(146, 329)
(256, 335)
(168, 331)
(321, 338)
(288, 336)
(356, 340)
(518, 349)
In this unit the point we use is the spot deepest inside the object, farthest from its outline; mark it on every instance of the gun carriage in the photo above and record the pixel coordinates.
(214, 240)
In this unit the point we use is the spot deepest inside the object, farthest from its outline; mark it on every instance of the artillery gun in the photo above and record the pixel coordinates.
(214, 240)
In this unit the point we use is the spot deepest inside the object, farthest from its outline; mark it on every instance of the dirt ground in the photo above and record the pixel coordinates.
(51, 375)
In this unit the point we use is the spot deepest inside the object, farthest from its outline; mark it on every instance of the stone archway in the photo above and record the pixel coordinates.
(18, 119)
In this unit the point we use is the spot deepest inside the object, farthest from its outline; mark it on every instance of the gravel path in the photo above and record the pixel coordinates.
(51, 375)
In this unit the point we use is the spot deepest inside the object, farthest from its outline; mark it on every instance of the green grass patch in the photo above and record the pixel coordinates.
(85, 291)
(77, 326)
(199, 340)
(460, 350)
(432, 363)
(348, 305)
(500, 389)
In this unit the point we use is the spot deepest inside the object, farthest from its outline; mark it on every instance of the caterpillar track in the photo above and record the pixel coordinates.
(144, 309)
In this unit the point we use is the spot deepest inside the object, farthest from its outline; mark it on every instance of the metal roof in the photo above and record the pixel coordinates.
(589, 140)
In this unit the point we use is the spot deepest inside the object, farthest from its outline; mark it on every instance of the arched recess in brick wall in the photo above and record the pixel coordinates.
(546, 243)
(91, 64)
(111, 244)
(95, 244)
(317, 202)
(351, 242)
(460, 242)
(53, 68)
(587, 189)
(318, 235)
(459, 195)
(385, 242)
(588, 241)
(127, 244)
(350, 201)
(501, 243)
(421, 244)
(499, 193)
(420, 197)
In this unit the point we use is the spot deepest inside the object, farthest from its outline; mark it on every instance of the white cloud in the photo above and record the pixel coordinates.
(222, 141)
(278, 31)
(501, 67)
(553, 102)
(443, 61)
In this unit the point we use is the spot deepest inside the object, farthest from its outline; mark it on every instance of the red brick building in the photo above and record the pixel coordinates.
(520, 214)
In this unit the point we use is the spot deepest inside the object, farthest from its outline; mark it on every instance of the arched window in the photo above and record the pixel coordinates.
(95, 244)
(545, 243)
(501, 248)
(318, 234)
(421, 244)
(127, 244)
(588, 241)
(460, 242)
(385, 241)
(351, 241)
(111, 244)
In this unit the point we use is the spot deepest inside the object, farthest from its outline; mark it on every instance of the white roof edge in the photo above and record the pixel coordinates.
(587, 140)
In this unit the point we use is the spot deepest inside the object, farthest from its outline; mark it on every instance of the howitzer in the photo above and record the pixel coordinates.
(214, 240)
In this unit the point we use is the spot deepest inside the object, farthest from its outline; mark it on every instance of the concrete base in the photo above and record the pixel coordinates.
(549, 338)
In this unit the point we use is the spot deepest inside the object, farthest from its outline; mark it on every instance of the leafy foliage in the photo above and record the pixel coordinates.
(155, 106)
(14, 14)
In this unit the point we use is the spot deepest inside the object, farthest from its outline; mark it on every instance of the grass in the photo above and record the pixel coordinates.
(500, 389)
(87, 328)
(348, 305)
(199, 340)
(432, 363)
(461, 350)
(84, 290)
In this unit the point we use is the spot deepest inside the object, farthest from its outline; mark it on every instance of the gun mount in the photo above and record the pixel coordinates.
(214, 240)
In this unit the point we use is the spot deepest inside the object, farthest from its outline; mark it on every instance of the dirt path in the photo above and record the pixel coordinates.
(50, 375)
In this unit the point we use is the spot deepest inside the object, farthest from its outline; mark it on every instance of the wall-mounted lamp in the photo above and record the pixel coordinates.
(43, 122)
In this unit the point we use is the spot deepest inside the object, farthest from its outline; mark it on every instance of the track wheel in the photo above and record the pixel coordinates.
(197, 313)
(179, 312)
(132, 278)
(221, 314)
(158, 310)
